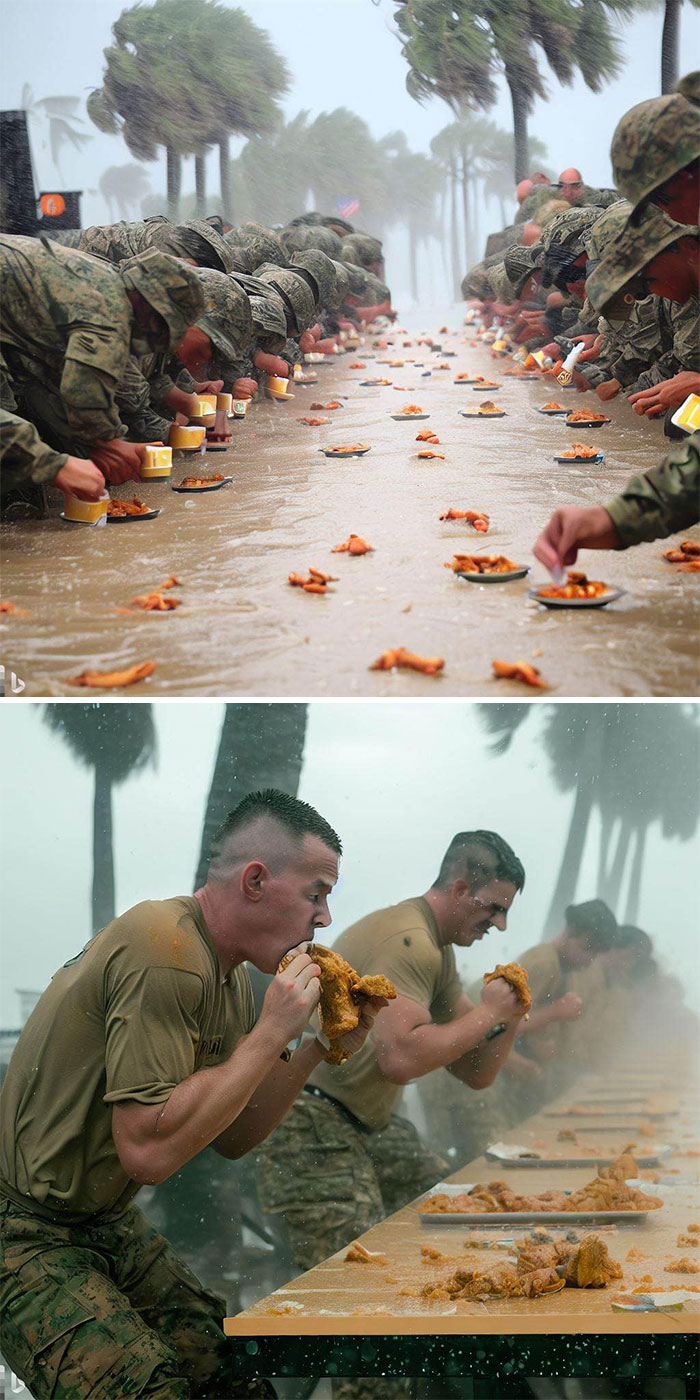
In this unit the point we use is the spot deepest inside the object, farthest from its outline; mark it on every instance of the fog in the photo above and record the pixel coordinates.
(397, 780)
(344, 53)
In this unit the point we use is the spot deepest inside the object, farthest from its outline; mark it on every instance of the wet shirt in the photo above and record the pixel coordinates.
(547, 982)
(401, 943)
(141, 1008)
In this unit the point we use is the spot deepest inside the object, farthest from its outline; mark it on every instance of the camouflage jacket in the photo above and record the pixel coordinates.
(24, 456)
(682, 352)
(663, 500)
(136, 407)
(66, 320)
(629, 350)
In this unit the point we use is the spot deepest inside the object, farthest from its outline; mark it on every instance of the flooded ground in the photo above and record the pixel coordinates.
(241, 630)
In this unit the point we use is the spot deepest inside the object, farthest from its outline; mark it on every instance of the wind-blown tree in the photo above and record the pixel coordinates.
(272, 174)
(457, 48)
(633, 764)
(123, 187)
(670, 43)
(184, 74)
(61, 114)
(413, 183)
(445, 150)
(116, 741)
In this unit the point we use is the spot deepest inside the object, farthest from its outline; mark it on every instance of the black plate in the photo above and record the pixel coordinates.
(215, 486)
(593, 461)
(496, 578)
(122, 519)
(362, 453)
(588, 423)
(551, 412)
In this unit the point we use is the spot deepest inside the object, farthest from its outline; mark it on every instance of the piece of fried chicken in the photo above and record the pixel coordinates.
(343, 995)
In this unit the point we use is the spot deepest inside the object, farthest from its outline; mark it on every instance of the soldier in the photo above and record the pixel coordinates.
(572, 189)
(67, 326)
(26, 460)
(196, 240)
(655, 156)
(144, 1050)
(343, 1159)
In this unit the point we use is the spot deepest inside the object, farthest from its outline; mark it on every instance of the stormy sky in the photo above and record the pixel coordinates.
(397, 780)
(340, 53)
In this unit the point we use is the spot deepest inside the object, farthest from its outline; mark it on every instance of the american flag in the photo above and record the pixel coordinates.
(347, 207)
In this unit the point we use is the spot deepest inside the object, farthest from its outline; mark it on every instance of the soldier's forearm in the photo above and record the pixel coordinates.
(24, 456)
(661, 501)
(270, 1102)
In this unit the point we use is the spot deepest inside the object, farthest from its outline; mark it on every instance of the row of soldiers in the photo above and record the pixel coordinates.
(616, 272)
(108, 334)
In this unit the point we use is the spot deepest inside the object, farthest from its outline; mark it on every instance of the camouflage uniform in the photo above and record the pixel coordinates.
(652, 142)
(361, 248)
(591, 195)
(627, 254)
(263, 245)
(532, 203)
(109, 1310)
(24, 456)
(665, 499)
(67, 329)
(115, 242)
(294, 292)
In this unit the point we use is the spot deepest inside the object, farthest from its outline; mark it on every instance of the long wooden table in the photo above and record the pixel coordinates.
(359, 1319)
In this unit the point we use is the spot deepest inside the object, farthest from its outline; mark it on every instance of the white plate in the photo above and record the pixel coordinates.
(362, 453)
(213, 486)
(408, 417)
(496, 578)
(551, 412)
(501, 1152)
(514, 1217)
(467, 413)
(610, 597)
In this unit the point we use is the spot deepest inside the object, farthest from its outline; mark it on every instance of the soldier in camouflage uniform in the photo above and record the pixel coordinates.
(572, 188)
(115, 242)
(29, 462)
(655, 151)
(68, 325)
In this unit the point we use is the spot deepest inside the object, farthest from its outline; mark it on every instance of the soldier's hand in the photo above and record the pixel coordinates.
(180, 402)
(502, 999)
(81, 478)
(271, 364)
(670, 393)
(209, 386)
(118, 460)
(354, 1040)
(608, 389)
(292, 995)
(572, 528)
(568, 1007)
(245, 389)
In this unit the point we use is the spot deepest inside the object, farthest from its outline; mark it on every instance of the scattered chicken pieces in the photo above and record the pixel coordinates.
(411, 408)
(688, 1241)
(430, 1255)
(333, 404)
(481, 564)
(118, 509)
(171, 582)
(11, 610)
(579, 449)
(577, 586)
(693, 1229)
(519, 671)
(478, 518)
(583, 415)
(112, 680)
(488, 406)
(354, 544)
(552, 407)
(313, 422)
(155, 602)
(315, 583)
(540, 1270)
(442, 366)
(427, 436)
(687, 554)
(466, 375)
(425, 454)
(429, 665)
(516, 977)
(357, 1254)
(682, 1266)
(357, 364)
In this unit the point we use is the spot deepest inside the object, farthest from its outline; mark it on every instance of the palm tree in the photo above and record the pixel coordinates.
(456, 48)
(61, 113)
(116, 741)
(124, 186)
(272, 174)
(631, 762)
(260, 746)
(670, 43)
(413, 182)
(445, 149)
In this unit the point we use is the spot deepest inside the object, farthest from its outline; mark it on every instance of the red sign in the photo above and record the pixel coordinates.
(52, 205)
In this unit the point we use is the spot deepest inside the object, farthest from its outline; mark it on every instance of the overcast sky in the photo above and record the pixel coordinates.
(340, 53)
(395, 780)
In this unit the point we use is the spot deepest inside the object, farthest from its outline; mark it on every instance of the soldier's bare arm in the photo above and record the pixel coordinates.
(409, 1044)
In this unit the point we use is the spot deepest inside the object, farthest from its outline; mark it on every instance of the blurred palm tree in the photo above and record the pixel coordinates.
(116, 741)
(457, 48)
(413, 183)
(273, 173)
(184, 74)
(61, 113)
(123, 187)
(632, 762)
(670, 42)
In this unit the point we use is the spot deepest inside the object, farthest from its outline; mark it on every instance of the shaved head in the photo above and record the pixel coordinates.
(539, 179)
(570, 177)
(269, 827)
(522, 190)
(531, 234)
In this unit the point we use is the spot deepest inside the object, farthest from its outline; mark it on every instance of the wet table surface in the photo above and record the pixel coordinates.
(339, 1298)
(241, 630)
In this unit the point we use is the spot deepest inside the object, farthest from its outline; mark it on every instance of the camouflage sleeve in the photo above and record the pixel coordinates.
(24, 456)
(135, 410)
(185, 382)
(95, 361)
(683, 353)
(663, 500)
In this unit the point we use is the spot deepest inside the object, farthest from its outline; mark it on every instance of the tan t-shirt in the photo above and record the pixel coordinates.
(142, 1007)
(545, 975)
(402, 943)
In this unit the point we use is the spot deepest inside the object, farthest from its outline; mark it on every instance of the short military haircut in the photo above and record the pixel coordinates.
(298, 819)
(594, 921)
(629, 936)
(479, 857)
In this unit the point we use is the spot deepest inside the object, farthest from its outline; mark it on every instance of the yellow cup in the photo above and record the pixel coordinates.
(85, 511)
(276, 385)
(224, 403)
(156, 460)
(205, 412)
(688, 415)
(187, 439)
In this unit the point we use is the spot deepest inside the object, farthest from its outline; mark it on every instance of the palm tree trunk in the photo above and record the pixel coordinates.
(610, 891)
(632, 909)
(465, 209)
(565, 888)
(502, 207)
(200, 184)
(260, 746)
(606, 825)
(669, 45)
(174, 181)
(225, 179)
(520, 137)
(413, 260)
(454, 234)
(102, 852)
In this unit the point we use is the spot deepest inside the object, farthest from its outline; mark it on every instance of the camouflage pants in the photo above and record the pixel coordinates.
(109, 1310)
(331, 1181)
